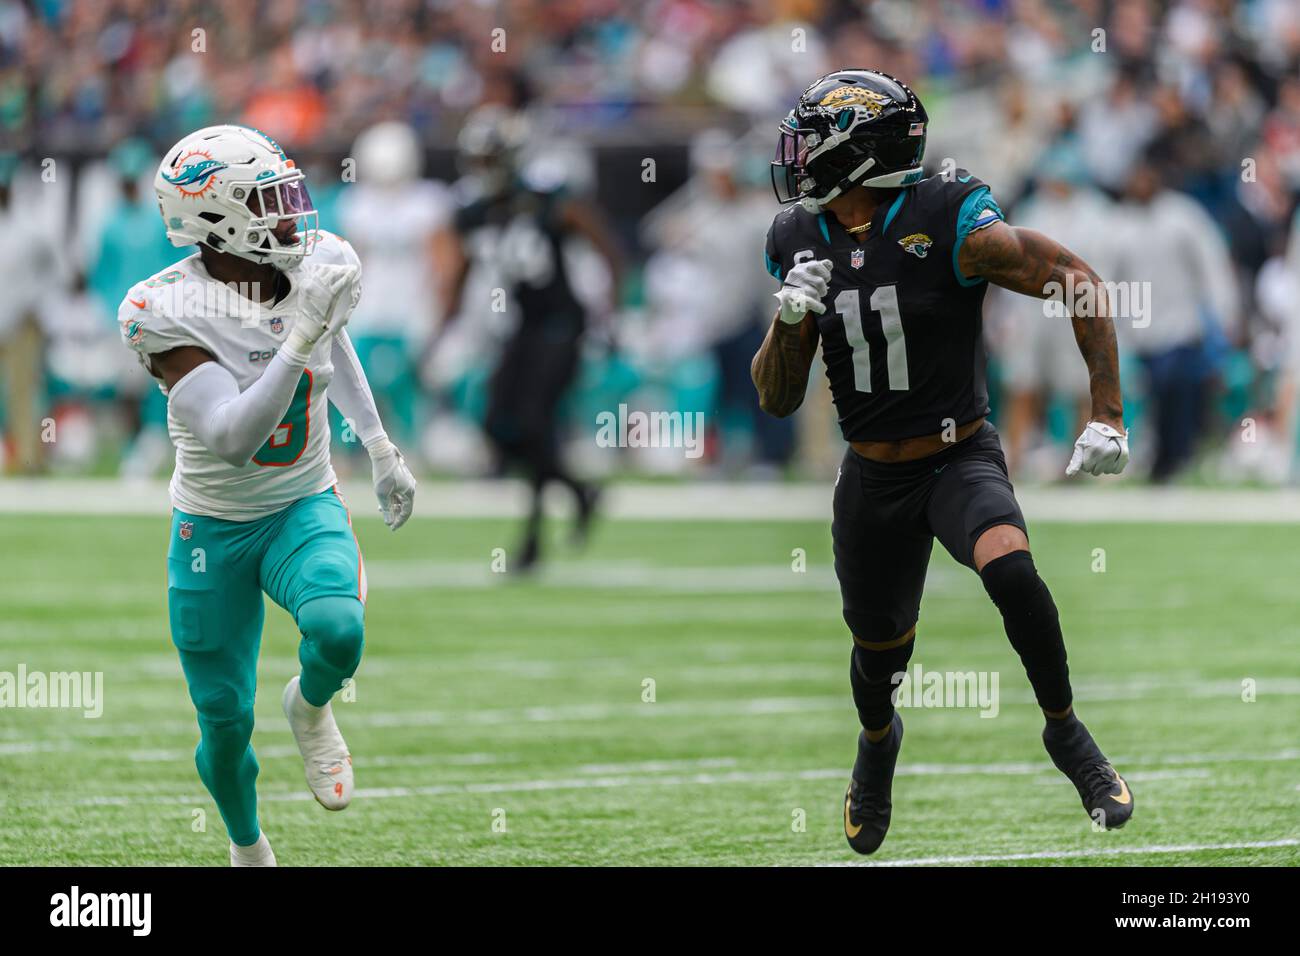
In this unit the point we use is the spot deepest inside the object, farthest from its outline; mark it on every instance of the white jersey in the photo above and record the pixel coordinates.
(393, 228)
(183, 305)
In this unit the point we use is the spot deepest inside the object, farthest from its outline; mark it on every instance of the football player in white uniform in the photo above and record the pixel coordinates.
(246, 337)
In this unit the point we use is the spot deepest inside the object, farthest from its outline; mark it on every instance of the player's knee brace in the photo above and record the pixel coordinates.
(335, 629)
(1011, 579)
(873, 675)
(1032, 624)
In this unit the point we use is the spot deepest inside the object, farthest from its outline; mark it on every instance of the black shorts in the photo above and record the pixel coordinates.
(888, 515)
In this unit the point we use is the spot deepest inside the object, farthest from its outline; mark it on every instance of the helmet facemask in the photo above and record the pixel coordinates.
(790, 177)
(798, 150)
(281, 228)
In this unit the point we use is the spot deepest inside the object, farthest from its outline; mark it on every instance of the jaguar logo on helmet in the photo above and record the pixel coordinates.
(855, 96)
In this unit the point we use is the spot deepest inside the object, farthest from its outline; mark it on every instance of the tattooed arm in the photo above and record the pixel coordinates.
(781, 365)
(1030, 263)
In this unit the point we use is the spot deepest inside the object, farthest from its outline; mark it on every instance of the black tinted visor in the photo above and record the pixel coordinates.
(788, 165)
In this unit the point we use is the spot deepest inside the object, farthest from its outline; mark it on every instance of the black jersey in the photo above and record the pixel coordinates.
(519, 233)
(901, 335)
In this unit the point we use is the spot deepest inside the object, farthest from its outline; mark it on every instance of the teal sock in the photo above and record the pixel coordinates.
(333, 635)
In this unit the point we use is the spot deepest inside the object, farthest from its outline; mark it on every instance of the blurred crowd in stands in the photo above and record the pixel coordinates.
(1158, 139)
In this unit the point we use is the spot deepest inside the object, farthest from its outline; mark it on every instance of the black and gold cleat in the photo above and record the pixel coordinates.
(1104, 793)
(867, 802)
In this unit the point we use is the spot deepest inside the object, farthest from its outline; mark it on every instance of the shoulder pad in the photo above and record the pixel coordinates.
(950, 189)
(790, 223)
(332, 249)
(151, 316)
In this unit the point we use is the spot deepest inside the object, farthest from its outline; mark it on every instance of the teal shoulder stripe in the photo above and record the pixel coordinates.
(773, 267)
(893, 211)
(821, 221)
(979, 209)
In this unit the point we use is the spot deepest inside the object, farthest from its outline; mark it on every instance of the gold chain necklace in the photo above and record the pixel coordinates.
(854, 230)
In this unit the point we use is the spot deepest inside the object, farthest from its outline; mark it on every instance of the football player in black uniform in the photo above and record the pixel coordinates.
(888, 270)
(519, 227)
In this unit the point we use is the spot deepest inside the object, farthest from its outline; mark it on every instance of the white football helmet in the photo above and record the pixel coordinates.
(233, 189)
(388, 154)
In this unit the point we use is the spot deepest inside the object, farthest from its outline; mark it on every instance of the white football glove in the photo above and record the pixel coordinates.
(326, 297)
(803, 290)
(1100, 450)
(394, 483)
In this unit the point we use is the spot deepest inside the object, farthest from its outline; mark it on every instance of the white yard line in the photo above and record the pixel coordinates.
(605, 782)
(606, 575)
(1087, 692)
(1072, 854)
(607, 777)
(1081, 501)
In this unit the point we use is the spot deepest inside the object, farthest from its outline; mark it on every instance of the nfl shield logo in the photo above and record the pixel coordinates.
(187, 530)
(856, 258)
(277, 325)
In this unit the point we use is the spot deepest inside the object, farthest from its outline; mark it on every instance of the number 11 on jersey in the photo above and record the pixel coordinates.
(883, 302)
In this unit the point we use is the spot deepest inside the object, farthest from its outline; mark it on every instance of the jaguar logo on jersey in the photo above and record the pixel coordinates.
(193, 172)
(872, 101)
(856, 258)
(186, 530)
(277, 325)
(918, 244)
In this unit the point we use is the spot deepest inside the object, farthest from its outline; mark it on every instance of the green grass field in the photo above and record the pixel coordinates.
(482, 699)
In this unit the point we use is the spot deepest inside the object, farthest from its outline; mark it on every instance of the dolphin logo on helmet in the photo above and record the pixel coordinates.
(197, 174)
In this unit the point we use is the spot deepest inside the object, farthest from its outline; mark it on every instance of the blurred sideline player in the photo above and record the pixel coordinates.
(518, 226)
(889, 271)
(703, 237)
(247, 340)
(391, 215)
(1168, 242)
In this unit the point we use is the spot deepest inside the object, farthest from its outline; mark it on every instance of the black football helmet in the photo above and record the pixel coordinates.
(850, 128)
(489, 146)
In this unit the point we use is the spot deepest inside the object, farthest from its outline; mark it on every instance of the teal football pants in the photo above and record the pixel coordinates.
(307, 560)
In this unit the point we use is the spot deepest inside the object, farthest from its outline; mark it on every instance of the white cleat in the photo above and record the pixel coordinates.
(259, 854)
(324, 754)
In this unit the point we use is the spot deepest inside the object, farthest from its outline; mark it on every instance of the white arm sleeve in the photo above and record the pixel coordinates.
(232, 424)
(350, 392)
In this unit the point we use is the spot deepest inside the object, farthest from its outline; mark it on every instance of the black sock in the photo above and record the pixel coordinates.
(1033, 626)
(871, 674)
